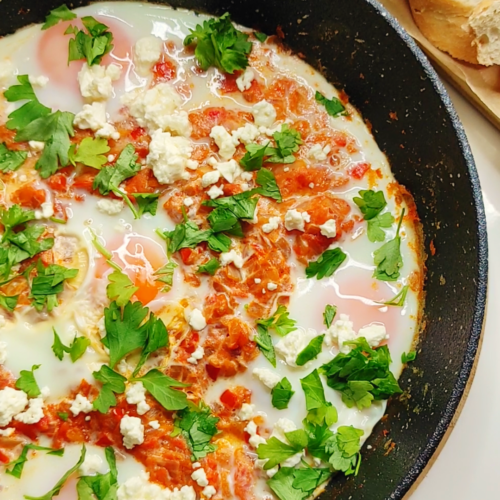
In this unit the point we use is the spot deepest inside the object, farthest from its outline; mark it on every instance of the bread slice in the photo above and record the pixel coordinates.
(467, 29)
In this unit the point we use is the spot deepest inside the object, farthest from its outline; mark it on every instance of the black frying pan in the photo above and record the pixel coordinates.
(360, 47)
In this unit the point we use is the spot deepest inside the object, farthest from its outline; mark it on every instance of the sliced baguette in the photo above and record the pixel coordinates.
(467, 29)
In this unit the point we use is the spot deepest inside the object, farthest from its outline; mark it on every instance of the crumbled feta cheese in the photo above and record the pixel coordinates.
(209, 491)
(96, 81)
(47, 210)
(311, 185)
(318, 153)
(36, 145)
(292, 344)
(272, 286)
(93, 117)
(44, 392)
(3, 352)
(246, 412)
(33, 414)
(38, 81)
(158, 108)
(341, 331)
(7, 432)
(197, 320)
(255, 439)
(136, 395)
(197, 355)
(81, 405)
(295, 220)
(264, 114)
(7, 73)
(200, 476)
(111, 158)
(230, 170)
(233, 256)
(139, 488)
(215, 192)
(244, 81)
(12, 402)
(107, 131)
(267, 377)
(91, 465)
(273, 224)
(246, 134)
(196, 465)
(257, 281)
(374, 334)
(293, 460)
(246, 176)
(154, 424)
(225, 141)
(132, 430)
(281, 427)
(210, 178)
(329, 228)
(169, 157)
(109, 206)
(188, 202)
(147, 52)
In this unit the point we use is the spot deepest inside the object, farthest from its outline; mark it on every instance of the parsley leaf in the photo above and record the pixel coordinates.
(287, 141)
(230, 209)
(377, 224)
(268, 186)
(90, 152)
(209, 267)
(329, 261)
(276, 451)
(13, 217)
(11, 160)
(329, 315)
(313, 390)
(112, 383)
(147, 202)
(219, 44)
(262, 37)
(166, 275)
(185, 235)
(57, 488)
(18, 464)
(254, 157)
(120, 288)
(371, 203)
(123, 331)
(281, 394)
(27, 383)
(399, 299)
(9, 303)
(198, 427)
(62, 13)
(92, 45)
(406, 358)
(76, 350)
(318, 435)
(333, 106)
(362, 375)
(265, 344)
(311, 351)
(103, 486)
(309, 479)
(282, 485)
(156, 338)
(160, 387)
(279, 322)
(388, 258)
(344, 447)
(63, 416)
(219, 243)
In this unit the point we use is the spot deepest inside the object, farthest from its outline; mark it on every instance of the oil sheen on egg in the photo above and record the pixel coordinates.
(136, 245)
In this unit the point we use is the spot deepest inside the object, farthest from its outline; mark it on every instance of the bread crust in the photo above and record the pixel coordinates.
(445, 23)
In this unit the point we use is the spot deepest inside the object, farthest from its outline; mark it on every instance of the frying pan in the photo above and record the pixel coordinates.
(360, 48)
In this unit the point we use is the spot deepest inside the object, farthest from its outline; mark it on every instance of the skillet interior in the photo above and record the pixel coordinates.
(360, 48)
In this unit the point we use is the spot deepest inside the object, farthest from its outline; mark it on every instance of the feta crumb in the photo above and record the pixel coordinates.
(44, 392)
(87, 418)
(107, 131)
(169, 157)
(3, 352)
(92, 116)
(267, 377)
(230, 170)
(209, 491)
(264, 114)
(272, 286)
(292, 344)
(132, 431)
(47, 210)
(293, 460)
(197, 320)
(246, 412)
(96, 82)
(12, 402)
(139, 488)
(374, 334)
(246, 176)
(36, 145)
(111, 158)
(210, 178)
(318, 153)
(311, 185)
(329, 228)
(81, 405)
(197, 355)
(281, 427)
(244, 81)
(286, 169)
(200, 476)
(109, 206)
(196, 465)
(255, 439)
(295, 220)
(154, 424)
(38, 81)
(341, 331)
(136, 395)
(147, 52)
(225, 141)
(188, 202)
(273, 224)
(7, 432)
(246, 134)
(233, 256)
(91, 465)
(257, 281)
(215, 192)
(33, 414)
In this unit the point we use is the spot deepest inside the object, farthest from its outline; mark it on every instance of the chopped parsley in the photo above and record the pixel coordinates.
(344, 448)
(185, 235)
(329, 261)
(209, 267)
(11, 160)
(220, 44)
(262, 37)
(9, 303)
(399, 299)
(27, 383)
(279, 322)
(281, 394)
(17, 465)
(147, 203)
(91, 152)
(333, 106)
(268, 186)
(329, 315)
(61, 13)
(320, 410)
(371, 203)
(76, 350)
(254, 157)
(276, 451)
(297, 484)
(265, 344)
(362, 375)
(120, 288)
(166, 275)
(311, 351)
(406, 358)
(112, 383)
(376, 225)
(103, 486)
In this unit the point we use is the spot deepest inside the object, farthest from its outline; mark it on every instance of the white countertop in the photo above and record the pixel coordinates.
(468, 466)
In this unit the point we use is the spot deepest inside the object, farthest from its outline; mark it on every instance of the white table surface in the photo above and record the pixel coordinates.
(468, 467)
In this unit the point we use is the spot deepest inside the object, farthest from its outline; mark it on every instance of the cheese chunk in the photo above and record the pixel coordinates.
(264, 114)
(292, 344)
(132, 430)
(96, 81)
(12, 402)
(147, 51)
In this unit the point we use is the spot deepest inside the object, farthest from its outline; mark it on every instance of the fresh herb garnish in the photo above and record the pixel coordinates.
(406, 358)
(17, 465)
(329, 261)
(388, 258)
(61, 13)
(399, 299)
(276, 451)
(268, 186)
(311, 351)
(147, 203)
(9, 303)
(265, 344)
(254, 157)
(279, 322)
(11, 160)
(297, 484)
(230, 210)
(333, 106)
(27, 383)
(344, 448)
(371, 203)
(76, 350)
(262, 37)
(185, 235)
(219, 44)
(166, 275)
(63, 416)
(112, 383)
(103, 486)
(209, 267)
(91, 152)
(281, 394)
(376, 225)
(120, 288)
(329, 315)
(156, 338)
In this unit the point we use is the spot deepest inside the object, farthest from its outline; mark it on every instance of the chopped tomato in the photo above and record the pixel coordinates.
(143, 182)
(358, 170)
(58, 182)
(216, 306)
(227, 83)
(254, 93)
(235, 397)
(28, 197)
(164, 71)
